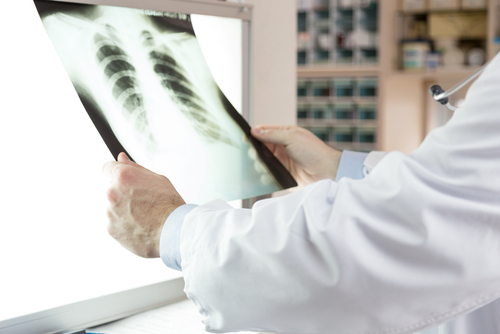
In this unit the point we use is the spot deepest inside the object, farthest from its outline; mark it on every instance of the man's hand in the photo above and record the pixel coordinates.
(140, 202)
(305, 156)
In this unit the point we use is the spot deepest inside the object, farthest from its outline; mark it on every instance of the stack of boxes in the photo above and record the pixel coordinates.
(443, 33)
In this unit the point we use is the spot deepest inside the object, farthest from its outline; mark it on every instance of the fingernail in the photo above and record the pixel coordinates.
(258, 131)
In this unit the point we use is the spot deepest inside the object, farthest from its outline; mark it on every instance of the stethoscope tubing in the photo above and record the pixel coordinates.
(441, 96)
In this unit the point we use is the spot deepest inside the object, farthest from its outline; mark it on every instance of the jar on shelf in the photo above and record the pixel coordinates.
(451, 54)
(414, 54)
(476, 57)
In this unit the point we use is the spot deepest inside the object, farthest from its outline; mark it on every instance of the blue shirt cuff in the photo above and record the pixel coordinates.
(351, 165)
(170, 240)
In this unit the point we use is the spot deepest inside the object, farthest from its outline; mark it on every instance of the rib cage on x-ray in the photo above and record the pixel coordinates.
(173, 78)
(121, 76)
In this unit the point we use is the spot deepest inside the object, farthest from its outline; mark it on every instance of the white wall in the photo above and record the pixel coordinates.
(274, 54)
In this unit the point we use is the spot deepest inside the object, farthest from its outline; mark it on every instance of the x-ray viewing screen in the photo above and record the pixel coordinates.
(145, 83)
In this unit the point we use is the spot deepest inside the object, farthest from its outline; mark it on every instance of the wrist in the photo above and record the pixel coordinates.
(174, 201)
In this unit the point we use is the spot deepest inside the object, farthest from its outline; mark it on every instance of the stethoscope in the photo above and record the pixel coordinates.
(442, 97)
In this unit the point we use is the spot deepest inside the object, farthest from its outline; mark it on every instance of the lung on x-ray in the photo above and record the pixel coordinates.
(143, 79)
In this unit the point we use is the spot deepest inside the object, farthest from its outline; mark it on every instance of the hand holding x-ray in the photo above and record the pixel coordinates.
(140, 203)
(303, 154)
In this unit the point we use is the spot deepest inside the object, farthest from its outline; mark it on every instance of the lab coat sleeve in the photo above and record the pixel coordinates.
(351, 165)
(412, 245)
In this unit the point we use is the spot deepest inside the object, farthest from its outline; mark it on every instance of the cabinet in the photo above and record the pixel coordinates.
(403, 109)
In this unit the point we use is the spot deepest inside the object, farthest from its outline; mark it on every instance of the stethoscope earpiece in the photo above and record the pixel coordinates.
(441, 96)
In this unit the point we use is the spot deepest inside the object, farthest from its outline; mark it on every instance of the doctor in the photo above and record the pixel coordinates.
(413, 244)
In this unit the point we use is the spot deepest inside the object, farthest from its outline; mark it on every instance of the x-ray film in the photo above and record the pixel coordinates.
(143, 79)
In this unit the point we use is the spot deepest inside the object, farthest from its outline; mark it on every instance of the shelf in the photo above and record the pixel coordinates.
(324, 71)
(443, 11)
(451, 73)
(368, 124)
(337, 100)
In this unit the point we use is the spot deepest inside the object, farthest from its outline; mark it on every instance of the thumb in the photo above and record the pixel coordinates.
(282, 135)
(124, 159)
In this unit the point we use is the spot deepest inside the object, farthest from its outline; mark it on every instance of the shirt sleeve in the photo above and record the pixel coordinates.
(170, 240)
(351, 165)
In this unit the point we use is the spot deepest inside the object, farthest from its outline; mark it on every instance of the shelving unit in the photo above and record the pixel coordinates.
(402, 99)
(338, 72)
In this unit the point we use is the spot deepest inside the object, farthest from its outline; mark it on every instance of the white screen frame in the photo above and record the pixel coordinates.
(78, 316)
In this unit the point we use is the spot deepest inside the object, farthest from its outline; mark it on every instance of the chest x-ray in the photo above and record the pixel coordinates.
(143, 80)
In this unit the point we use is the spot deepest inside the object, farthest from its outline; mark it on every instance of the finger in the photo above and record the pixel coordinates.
(276, 134)
(109, 168)
(123, 158)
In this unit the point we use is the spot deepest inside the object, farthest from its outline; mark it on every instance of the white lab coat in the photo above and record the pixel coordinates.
(413, 245)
